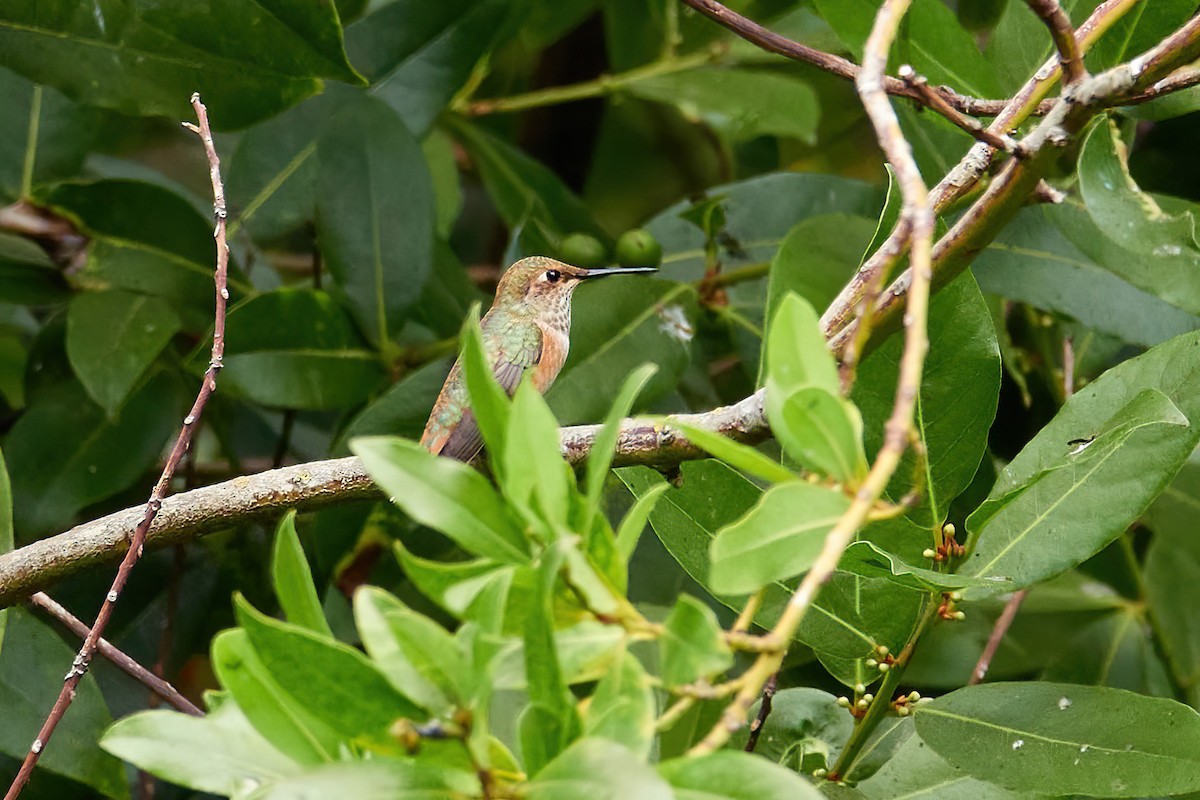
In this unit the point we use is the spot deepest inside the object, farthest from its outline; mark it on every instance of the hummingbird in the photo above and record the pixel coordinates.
(527, 328)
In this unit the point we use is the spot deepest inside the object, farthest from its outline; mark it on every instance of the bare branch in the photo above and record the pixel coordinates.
(934, 100)
(773, 42)
(207, 386)
(118, 658)
(1177, 81)
(1059, 24)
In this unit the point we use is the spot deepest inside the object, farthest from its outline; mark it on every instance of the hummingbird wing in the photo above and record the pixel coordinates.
(515, 349)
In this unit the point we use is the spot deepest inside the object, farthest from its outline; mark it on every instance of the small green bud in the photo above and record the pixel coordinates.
(638, 248)
(583, 250)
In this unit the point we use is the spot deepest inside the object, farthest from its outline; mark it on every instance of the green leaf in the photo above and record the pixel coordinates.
(586, 652)
(320, 363)
(1117, 650)
(746, 103)
(522, 189)
(736, 776)
(337, 684)
(822, 431)
(634, 521)
(453, 586)
(417, 55)
(293, 579)
(281, 719)
(43, 136)
(218, 753)
(600, 457)
(374, 213)
(146, 239)
(692, 645)
(597, 769)
(1085, 491)
(779, 538)
(247, 61)
(1066, 739)
(65, 453)
(1055, 258)
(403, 409)
(743, 457)
(112, 338)
(416, 654)
(535, 475)
(960, 388)
(619, 325)
(377, 779)
(622, 708)
(868, 560)
(446, 495)
(917, 771)
(551, 722)
(797, 355)
(31, 669)
(1172, 565)
(804, 731)
(27, 275)
(490, 404)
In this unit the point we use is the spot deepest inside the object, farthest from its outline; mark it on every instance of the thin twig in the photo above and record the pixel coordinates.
(773, 42)
(919, 213)
(764, 711)
(207, 386)
(1003, 623)
(1059, 24)
(1177, 81)
(935, 101)
(120, 660)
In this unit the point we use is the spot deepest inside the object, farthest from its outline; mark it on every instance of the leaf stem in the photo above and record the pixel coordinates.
(596, 87)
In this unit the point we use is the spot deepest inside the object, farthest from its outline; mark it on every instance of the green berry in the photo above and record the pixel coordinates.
(637, 248)
(583, 250)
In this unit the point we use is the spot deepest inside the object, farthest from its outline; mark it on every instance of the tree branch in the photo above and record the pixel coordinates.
(118, 658)
(208, 385)
(1059, 24)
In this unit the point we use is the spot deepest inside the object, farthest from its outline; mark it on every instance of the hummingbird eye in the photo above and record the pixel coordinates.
(553, 275)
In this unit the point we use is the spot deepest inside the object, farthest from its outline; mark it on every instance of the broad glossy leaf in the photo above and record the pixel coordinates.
(821, 430)
(868, 560)
(692, 645)
(31, 670)
(1117, 650)
(759, 213)
(149, 240)
(338, 684)
(446, 495)
(743, 102)
(27, 275)
(1020, 45)
(375, 211)
(417, 55)
(403, 409)
(797, 355)
(1066, 739)
(247, 61)
(917, 771)
(293, 579)
(597, 769)
(1054, 258)
(960, 388)
(523, 190)
(377, 779)
(64, 453)
(1084, 493)
(1172, 566)
(620, 324)
(932, 41)
(62, 134)
(420, 658)
(295, 348)
(622, 709)
(733, 775)
(283, 720)
(805, 730)
(216, 753)
(745, 458)
(1138, 31)
(779, 538)
(112, 338)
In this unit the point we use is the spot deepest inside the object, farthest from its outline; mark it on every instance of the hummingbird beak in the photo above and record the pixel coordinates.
(601, 272)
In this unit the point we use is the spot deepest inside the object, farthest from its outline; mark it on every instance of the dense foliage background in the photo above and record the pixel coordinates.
(384, 161)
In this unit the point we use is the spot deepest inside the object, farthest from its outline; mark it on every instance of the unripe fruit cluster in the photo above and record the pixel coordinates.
(634, 248)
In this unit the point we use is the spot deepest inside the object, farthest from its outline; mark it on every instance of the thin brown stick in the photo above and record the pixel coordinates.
(119, 658)
(764, 711)
(1003, 623)
(1181, 79)
(1059, 24)
(207, 386)
(773, 42)
(934, 100)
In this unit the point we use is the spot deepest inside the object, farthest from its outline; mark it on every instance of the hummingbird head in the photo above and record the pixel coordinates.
(542, 285)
